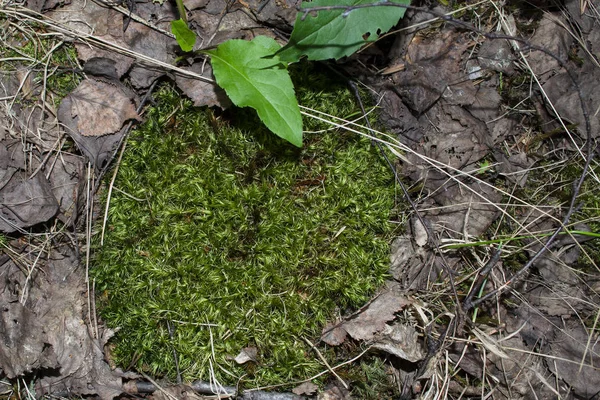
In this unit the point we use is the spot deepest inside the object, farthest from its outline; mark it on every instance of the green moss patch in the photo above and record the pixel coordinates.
(237, 239)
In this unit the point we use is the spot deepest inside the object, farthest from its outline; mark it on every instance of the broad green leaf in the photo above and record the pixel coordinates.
(251, 80)
(184, 35)
(338, 33)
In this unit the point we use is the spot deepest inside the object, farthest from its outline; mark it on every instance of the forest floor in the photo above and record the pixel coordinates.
(158, 242)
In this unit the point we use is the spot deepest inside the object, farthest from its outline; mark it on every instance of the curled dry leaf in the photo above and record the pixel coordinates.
(247, 354)
(371, 320)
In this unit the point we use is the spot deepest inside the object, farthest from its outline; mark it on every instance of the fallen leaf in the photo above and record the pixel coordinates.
(247, 354)
(496, 55)
(49, 330)
(98, 149)
(549, 35)
(307, 388)
(374, 317)
(201, 92)
(334, 392)
(333, 334)
(12, 158)
(419, 232)
(566, 101)
(575, 359)
(26, 202)
(401, 341)
(65, 178)
(101, 108)
(23, 338)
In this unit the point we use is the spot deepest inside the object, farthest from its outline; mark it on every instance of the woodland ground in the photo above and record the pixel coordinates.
(488, 209)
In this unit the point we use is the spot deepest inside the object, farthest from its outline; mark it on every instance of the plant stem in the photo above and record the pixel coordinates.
(181, 10)
(504, 240)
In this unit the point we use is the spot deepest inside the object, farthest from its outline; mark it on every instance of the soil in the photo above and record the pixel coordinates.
(493, 113)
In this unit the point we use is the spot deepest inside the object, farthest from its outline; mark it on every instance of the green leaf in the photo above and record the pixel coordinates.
(251, 80)
(184, 35)
(338, 33)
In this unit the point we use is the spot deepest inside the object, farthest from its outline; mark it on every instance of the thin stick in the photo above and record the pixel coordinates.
(175, 356)
(88, 235)
(30, 273)
(169, 395)
(110, 190)
(344, 384)
(312, 377)
(122, 145)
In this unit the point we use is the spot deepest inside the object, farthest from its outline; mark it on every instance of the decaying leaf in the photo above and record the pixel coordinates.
(419, 232)
(334, 392)
(26, 202)
(334, 334)
(401, 341)
(42, 324)
(567, 102)
(97, 148)
(577, 359)
(410, 264)
(247, 354)
(515, 168)
(65, 181)
(307, 388)
(551, 36)
(201, 92)
(22, 351)
(372, 319)
(11, 158)
(101, 107)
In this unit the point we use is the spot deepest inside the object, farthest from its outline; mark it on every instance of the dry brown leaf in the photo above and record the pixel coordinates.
(374, 318)
(26, 202)
(49, 330)
(333, 334)
(64, 180)
(577, 359)
(101, 108)
(201, 92)
(419, 232)
(401, 341)
(23, 348)
(247, 354)
(307, 388)
(334, 392)
(371, 320)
